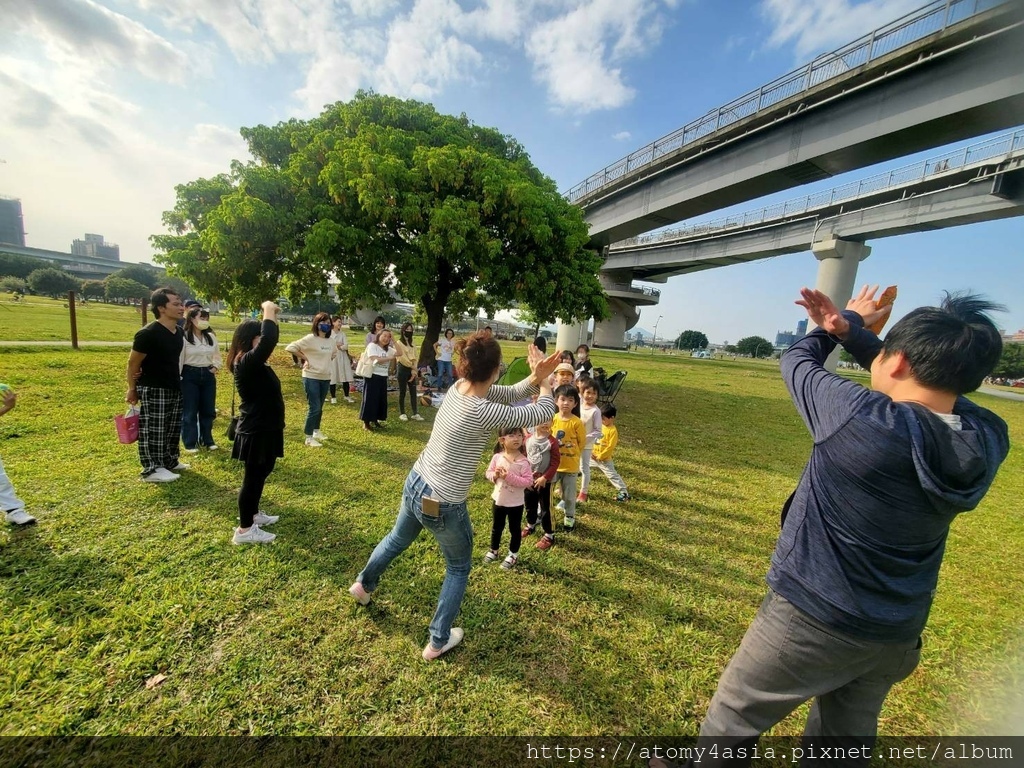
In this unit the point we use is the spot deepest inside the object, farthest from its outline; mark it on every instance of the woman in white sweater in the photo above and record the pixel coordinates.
(375, 394)
(200, 360)
(316, 351)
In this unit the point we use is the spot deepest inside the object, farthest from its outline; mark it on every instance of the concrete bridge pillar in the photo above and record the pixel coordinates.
(610, 333)
(571, 336)
(837, 274)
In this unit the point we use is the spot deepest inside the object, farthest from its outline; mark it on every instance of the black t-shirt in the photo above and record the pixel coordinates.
(262, 408)
(162, 349)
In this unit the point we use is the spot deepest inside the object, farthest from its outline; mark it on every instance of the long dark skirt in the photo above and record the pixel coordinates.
(375, 399)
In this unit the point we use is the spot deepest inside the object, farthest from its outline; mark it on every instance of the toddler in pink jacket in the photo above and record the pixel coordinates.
(510, 472)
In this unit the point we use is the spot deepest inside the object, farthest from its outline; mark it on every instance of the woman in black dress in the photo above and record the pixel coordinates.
(259, 436)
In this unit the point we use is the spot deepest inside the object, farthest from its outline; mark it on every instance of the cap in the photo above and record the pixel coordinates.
(564, 367)
(193, 303)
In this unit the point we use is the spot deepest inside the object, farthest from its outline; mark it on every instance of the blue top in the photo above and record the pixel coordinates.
(864, 532)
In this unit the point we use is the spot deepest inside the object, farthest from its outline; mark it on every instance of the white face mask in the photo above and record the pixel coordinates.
(203, 325)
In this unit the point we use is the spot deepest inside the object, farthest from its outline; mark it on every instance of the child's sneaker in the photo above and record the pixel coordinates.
(359, 594)
(430, 652)
(581, 498)
(334, 401)
(528, 530)
(623, 496)
(491, 556)
(546, 541)
(510, 562)
(569, 523)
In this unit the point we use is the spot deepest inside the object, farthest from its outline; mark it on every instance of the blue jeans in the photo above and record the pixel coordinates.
(454, 533)
(444, 372)
(316, 393)
(199, 406)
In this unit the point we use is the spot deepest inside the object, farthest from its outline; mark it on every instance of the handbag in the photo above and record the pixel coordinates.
(128, 425)
(233, 422)
(364, 368)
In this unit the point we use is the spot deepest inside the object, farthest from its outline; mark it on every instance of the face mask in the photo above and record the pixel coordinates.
(203, 325)
(324, 327)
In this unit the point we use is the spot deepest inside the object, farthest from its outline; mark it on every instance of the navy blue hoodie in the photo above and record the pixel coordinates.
(865, 530)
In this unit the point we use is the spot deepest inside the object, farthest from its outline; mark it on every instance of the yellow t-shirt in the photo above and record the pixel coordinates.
(574, 437)
(606, 445)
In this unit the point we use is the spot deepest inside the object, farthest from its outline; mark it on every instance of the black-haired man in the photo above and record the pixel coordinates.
(154, 383)
(856, 564)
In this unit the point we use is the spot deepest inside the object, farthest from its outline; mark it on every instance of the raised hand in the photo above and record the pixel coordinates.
(541, 366)
(823, 313)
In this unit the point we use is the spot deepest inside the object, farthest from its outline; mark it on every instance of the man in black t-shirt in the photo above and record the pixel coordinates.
(154, 384)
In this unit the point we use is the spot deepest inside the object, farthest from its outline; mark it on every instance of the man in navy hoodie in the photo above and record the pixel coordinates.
(855, 568)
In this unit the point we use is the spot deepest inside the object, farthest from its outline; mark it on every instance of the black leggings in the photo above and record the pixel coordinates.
(405, 380)
(514, 515)
(542, 496)
(344, 388)
(256, 474)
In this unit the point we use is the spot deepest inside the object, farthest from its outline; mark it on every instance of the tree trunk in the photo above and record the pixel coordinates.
(434, 308)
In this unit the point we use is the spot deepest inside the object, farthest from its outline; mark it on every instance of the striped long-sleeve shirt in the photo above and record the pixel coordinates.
(463, 426)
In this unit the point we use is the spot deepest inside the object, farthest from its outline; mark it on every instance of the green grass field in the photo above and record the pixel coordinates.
(622, 628)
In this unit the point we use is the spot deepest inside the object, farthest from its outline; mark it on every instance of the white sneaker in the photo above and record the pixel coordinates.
(318, 435)
(262, 518)
(160, 475)
(430, 652)
(19, 517)
(417, 417)
(181, 466)
(334, 401)
(349, 400)
(403, 417)
(312, 443)
(213, 447)
(191, 450)
(253, 536)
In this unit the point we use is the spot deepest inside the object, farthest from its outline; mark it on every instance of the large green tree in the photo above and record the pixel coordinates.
(692, 340)
(1011, 363)
(52, 281)
(16, 265)
(395, 201)
(755, 346)
(122, 288)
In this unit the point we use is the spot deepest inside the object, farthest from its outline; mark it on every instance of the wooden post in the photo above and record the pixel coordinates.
(144, 304)
(74, 320)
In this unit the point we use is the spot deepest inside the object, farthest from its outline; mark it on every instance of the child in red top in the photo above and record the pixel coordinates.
(510, 472)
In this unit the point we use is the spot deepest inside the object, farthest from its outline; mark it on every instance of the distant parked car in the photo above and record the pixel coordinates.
(1019, 384)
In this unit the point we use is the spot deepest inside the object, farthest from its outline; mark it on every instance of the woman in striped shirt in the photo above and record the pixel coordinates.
(437, 488)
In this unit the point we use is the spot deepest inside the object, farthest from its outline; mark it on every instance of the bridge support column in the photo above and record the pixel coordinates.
(610, 333)
(571, 336)
(837, 274)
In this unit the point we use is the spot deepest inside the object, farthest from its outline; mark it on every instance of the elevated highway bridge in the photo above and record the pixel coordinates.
(947, 72)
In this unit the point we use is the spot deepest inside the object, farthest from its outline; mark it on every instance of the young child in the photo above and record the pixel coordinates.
(564, 374)
(583, 365)
(590, 415)
(572, 437)
(9, 502)
(602, 458)
(510, 472)
(542, 451)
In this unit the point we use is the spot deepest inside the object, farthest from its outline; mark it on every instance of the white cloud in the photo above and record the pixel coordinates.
(94, 36)
(622, 136)
(819, 26)
(574, 54)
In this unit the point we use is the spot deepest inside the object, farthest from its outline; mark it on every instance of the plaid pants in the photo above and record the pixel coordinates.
(159, 428)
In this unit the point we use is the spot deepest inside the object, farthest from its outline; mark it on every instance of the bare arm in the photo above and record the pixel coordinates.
(134, 371)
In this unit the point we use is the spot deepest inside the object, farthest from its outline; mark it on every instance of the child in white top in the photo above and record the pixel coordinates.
(510, 472)
(590, 415)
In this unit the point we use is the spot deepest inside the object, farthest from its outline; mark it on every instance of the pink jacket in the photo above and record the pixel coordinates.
(508, 490)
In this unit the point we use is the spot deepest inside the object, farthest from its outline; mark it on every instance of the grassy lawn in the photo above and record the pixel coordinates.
(622, 628)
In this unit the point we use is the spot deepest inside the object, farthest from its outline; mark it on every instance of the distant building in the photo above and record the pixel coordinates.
(786, 339)
(94, 247)
(1017, 337)
(12, 225)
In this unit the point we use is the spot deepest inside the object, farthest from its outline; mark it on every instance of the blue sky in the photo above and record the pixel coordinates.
(110, 104)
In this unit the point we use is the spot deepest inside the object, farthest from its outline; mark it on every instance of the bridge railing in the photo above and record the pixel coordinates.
(954, 160)
(927, 20)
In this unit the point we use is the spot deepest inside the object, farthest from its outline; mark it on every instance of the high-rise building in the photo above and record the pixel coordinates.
(12, 225)
(94, 247)
(788, 338)
(801, 328)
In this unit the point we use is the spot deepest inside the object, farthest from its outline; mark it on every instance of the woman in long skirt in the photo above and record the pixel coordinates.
(375, 394)
(341, 372)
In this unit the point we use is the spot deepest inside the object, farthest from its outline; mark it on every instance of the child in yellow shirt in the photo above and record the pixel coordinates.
(571, 436)
(602, 457)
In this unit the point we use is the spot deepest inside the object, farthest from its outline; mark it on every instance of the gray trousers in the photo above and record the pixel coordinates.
(787, 658)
